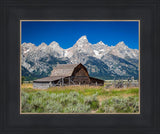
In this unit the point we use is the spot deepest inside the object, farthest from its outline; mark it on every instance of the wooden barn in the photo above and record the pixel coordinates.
(67, 74)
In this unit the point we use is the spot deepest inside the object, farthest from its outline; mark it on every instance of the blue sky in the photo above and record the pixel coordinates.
(66, 33)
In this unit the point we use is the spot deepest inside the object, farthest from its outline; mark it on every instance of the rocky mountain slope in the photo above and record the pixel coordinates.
(101, 60)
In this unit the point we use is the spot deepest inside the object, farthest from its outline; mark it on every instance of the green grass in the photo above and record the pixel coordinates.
(120, 105)
(129, 91)
(79, 99)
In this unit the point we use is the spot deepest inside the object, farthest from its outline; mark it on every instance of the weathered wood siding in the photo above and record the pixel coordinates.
(42, 85)
(97, 82)
(80, 70)
(81, 80)
(80, 75)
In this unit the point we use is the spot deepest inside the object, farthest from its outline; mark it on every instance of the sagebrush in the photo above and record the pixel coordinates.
(74, 102)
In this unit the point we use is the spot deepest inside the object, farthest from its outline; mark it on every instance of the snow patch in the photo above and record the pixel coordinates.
(102, 50)
(26, 51)
(96, 52)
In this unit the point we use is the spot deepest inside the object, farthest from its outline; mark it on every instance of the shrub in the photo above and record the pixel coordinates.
(79, 108)
(42, 101)
(74, 102)
(120, 105)
(53, 107)
(92, 101)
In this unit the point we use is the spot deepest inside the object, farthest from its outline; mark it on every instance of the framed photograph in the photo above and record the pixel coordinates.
(80, 67)
(79, 76)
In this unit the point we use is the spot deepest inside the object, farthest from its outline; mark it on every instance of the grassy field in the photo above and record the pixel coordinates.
(79, 99)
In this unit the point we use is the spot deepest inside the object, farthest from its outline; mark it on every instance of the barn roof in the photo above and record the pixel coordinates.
(63, 70)
(60, 71)
(96, 78)
(48, 79)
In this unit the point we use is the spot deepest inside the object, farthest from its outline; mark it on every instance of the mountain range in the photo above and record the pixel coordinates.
(101, 60)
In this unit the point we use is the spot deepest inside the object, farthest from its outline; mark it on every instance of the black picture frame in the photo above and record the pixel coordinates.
(147, 11)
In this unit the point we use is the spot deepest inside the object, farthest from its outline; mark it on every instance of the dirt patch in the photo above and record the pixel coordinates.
(101, 98)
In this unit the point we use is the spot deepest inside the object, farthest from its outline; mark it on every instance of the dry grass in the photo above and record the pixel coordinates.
(26, 85)
(29, 87)
(102, 92)
(74, 88)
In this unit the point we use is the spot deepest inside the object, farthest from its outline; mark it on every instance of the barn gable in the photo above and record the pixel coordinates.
(80, 70)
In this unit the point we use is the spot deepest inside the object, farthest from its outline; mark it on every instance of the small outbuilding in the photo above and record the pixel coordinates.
(67, 74)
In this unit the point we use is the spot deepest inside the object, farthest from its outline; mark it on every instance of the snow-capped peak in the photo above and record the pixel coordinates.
(83, 39)
(121, 44)
(82, 43)
(42, 45)
(28, 44)
(100, 43)
(26, 47)
(54, 44)
(100, 49)
(121, 50)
